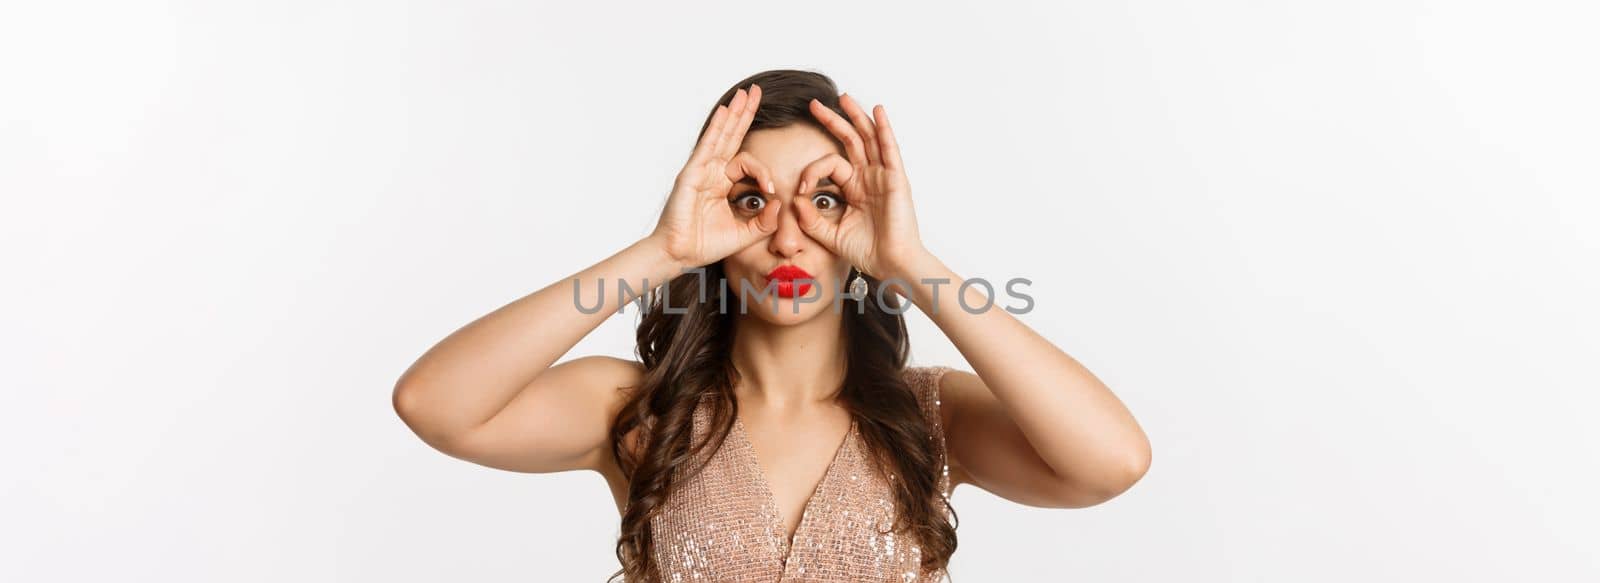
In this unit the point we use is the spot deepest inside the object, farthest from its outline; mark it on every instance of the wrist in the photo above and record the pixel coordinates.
(914, 266)
(654, 249)
(918, 278)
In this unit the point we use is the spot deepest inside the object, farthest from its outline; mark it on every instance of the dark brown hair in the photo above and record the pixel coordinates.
(686, 356)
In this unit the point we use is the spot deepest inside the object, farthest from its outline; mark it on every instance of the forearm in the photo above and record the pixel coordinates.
(1074, 422)
(473, 373)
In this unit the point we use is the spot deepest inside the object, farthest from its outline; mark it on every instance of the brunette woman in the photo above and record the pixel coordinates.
(770, 428)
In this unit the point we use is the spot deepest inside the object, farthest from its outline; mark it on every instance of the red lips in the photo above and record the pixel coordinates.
(785, 275)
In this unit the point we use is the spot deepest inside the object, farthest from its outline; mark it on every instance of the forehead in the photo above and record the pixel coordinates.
(789, 148)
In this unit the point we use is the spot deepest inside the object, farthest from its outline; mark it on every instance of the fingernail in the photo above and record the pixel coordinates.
(771, 190)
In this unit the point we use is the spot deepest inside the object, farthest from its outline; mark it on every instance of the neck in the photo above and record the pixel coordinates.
(783, 366)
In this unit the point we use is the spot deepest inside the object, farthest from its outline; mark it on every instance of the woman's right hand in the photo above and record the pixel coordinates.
(698, 226)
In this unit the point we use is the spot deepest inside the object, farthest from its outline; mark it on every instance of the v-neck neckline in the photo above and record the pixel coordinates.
(785, 541)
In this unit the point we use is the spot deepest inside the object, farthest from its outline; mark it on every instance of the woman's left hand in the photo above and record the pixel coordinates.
(878, 230)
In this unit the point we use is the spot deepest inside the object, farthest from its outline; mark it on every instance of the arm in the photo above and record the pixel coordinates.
(488, 393)
(1032, 425)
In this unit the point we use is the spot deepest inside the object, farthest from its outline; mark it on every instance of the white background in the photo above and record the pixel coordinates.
(1340, 259)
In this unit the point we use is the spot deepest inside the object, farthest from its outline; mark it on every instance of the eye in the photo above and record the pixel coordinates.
(749, 202)
(827, 201)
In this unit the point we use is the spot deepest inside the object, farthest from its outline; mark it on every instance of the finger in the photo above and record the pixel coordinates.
(835, 168)
(760, 225)
(726, 146)
(814, 224)
(708, 140)
(742, 125)
(841, 129)
(886, 139)
(863, 126)
(743, 164)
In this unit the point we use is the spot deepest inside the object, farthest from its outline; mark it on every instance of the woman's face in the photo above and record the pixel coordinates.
(786, 152)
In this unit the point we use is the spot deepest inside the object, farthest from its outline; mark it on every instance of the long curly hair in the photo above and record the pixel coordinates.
(685, 353)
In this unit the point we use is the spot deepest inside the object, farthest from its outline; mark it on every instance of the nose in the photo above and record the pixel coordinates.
(789, 240)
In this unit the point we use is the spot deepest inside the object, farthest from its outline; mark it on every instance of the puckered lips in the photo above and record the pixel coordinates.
(785, 275)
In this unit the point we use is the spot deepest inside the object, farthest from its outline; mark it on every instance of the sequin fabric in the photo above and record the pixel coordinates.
(723, 524)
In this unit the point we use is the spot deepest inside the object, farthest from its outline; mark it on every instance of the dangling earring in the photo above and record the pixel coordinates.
(858, 287)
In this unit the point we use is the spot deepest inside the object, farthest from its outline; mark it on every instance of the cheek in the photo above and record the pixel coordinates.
(741, 265)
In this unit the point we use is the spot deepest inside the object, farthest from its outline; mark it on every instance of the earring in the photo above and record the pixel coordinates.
(858, 287)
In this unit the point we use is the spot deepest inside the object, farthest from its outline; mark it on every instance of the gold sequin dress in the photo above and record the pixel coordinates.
(723, 523)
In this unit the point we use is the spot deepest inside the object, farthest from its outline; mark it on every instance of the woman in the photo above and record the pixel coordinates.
(839, 459)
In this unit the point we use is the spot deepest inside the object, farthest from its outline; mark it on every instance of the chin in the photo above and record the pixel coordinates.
(788, 312)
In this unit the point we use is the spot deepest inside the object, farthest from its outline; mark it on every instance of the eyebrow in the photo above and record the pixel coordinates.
(751, 181)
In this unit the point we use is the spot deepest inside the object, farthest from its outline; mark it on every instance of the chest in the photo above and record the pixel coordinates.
(791, 467)
(729, 522)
